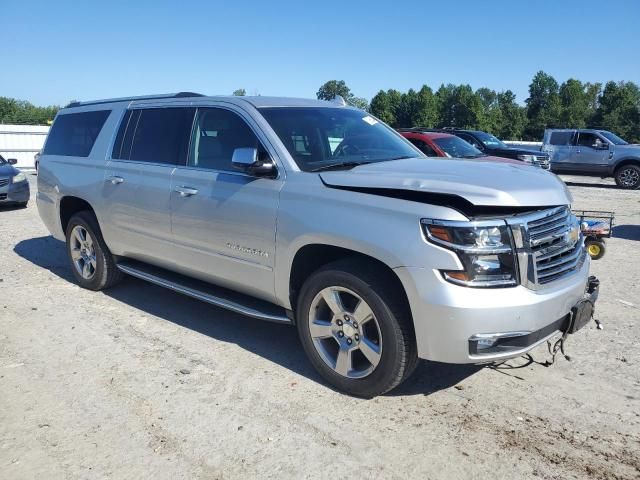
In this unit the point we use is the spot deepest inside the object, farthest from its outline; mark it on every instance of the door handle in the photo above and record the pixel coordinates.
(186, 191)
(115, 179)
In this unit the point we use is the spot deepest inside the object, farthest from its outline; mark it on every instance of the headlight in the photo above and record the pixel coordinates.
(527, 158)
(19, 177)
(484, 248)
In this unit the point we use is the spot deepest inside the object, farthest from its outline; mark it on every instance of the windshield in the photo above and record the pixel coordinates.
(322, 138)
(616, 140)
(490, 141)
(456, 147)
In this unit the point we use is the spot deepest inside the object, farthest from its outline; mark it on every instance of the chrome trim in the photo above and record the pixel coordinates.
(490, 357)
(498, 336)
(205, 297)
(542, 236)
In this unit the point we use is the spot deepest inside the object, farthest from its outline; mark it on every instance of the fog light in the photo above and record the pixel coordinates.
(484, 343)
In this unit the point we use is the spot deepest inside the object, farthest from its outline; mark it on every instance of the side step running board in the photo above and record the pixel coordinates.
(220, 297)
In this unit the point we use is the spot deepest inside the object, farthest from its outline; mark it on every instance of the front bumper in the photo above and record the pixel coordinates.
(448, 317)
(15, 193)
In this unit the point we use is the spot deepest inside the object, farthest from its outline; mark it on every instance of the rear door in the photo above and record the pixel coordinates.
(149, 145)
(224, 220)
(559, 145)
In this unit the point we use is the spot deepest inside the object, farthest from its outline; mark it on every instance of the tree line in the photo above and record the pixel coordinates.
(21, 112)
(614, 106)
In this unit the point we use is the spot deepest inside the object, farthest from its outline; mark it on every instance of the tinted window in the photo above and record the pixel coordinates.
(424, 147)
(160, 135)
(561, 138)
(457, 147)
(589, 140)
(468, 138)
(616, 140)
(217, 133)
(117, 145)
(74, 134)
(320, 137)
(489, 140)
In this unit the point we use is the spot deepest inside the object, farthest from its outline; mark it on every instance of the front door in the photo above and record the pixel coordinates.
(223, 220)
(591, 152)
(137, 187)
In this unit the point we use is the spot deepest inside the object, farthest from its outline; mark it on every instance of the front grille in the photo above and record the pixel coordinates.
(4, 182)
(550, 246)
(3, 196)
(542, 161)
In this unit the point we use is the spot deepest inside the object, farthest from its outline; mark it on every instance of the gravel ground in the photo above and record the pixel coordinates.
(139, 382)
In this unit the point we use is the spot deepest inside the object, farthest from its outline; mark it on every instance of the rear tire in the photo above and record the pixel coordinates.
(91, 261)
(381, 348)
(628, 177)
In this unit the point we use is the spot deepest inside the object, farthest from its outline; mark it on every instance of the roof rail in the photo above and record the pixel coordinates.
(130, 99)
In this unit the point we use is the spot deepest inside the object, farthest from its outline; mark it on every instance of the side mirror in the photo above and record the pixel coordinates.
(600, 146)
(12, 161)
(246, 160)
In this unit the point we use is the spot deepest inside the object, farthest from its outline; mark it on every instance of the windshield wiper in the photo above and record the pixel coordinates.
(333, 166)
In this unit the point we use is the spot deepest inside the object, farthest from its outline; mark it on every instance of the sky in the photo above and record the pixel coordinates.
(54, 51)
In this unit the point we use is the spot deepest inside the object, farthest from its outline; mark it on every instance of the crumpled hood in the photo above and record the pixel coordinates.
(480, 183)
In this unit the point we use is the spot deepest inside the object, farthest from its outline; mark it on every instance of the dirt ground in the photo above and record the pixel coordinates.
(139, 382)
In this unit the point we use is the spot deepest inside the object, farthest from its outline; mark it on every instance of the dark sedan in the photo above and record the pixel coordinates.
(14, 186)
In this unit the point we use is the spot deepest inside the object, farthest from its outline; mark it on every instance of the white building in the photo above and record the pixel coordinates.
(22, 142)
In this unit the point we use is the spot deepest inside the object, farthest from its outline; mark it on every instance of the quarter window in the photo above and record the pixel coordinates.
(216, 134)
(561, 138)
(73, 134)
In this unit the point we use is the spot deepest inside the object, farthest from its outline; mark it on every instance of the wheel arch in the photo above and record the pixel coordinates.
(311, 257)
(69, 206)
(624, 161)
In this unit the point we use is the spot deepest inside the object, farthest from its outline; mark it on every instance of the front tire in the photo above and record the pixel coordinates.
(91, 261)
(356, 328)
(628, 177)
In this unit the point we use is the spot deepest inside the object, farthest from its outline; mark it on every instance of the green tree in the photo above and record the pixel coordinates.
(241, 92)
(459, 106)
(23, 112)
(512, 118)
(330, 89)
(619, 110)
(574, 104)
(543, 105)
(491, 114)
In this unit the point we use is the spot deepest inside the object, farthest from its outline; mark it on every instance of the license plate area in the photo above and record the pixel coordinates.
(581, 314)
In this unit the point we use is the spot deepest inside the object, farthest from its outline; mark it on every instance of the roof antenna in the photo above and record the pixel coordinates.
(338, 100)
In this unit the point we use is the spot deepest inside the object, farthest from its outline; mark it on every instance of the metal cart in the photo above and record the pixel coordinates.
(596, 225)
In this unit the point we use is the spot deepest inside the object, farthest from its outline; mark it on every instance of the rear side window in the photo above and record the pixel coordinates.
(155, 135)
(561, 138)
(73, 134)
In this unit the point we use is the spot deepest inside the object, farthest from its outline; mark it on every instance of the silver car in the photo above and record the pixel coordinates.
(319, 215)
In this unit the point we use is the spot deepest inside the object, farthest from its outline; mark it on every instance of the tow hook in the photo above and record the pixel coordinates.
(580, 314)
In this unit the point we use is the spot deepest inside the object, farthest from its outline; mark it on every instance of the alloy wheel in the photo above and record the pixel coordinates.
(83, 254)
(629, 177)
(345, 332)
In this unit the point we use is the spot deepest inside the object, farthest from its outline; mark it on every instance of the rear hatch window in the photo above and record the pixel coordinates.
(73, 134)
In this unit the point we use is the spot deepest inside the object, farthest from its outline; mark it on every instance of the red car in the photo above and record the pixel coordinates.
(439, 144)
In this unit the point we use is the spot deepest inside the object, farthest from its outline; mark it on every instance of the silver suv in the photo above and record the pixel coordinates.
(317, 214)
